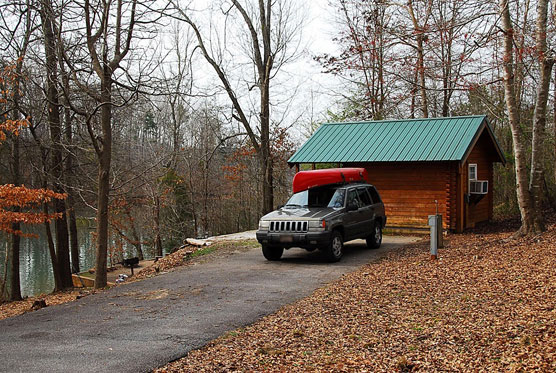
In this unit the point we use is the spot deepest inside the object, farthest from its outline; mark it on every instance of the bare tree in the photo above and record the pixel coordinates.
(420, 25)
(271, 32)
(529, 192)
(55, 127)
(19, 31)
(109, 30)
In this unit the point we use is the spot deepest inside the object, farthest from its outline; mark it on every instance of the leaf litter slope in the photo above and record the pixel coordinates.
(489, 304)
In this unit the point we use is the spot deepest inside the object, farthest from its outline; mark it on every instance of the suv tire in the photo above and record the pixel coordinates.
(335, 248)
(375, 239)
(272, 253)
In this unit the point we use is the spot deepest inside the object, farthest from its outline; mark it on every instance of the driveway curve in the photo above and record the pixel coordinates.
(145, 324)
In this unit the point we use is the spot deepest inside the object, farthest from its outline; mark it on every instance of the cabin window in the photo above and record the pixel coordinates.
(472, 172)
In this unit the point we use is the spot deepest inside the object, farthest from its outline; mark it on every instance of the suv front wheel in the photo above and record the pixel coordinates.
(375, 239)
(272, 253)
(335, 248)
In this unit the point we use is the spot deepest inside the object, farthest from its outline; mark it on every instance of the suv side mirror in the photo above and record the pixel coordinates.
(352, 207)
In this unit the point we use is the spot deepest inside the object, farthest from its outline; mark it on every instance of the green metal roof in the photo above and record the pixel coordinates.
(410, 140)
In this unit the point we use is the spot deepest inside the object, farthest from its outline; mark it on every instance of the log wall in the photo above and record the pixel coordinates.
(409, 190)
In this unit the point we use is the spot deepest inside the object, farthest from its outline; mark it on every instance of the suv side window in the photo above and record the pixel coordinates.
(374, 194)
(364, 197)
(352, 198)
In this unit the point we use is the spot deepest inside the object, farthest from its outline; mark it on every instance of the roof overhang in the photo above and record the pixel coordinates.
(485, 126)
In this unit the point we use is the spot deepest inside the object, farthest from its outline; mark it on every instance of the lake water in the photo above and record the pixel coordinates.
(35, 266)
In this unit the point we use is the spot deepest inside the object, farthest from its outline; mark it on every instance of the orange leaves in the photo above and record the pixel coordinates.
(11, 197)
(11, 126)
(20, 196)
(24, 198)
(237, 163)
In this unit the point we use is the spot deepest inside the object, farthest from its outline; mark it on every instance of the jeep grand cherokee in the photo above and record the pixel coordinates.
(324, 218)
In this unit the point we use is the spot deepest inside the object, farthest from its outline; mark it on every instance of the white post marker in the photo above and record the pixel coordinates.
(435, 222)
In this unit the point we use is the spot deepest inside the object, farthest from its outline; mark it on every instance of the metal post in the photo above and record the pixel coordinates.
(433, 223)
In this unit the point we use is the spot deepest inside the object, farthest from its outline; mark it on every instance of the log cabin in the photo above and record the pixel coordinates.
(419, 166)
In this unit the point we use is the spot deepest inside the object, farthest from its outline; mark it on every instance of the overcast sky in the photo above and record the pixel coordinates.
(312, 90)
(317, 90)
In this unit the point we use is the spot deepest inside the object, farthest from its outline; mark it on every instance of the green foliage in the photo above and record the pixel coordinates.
(149, 123)
(204, 251)
(176, 218)
(179, 189)
(318, 166)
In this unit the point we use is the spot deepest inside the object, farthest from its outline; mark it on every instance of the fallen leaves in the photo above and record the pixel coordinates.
(488, 304)
(10, 309)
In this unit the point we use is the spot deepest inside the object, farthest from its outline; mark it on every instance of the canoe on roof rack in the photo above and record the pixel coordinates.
(304, 180)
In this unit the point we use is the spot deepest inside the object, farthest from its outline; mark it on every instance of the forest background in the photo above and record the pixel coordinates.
(162, 120)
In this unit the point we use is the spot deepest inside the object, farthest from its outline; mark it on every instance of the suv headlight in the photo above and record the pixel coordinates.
(317, 225)
(264, 225)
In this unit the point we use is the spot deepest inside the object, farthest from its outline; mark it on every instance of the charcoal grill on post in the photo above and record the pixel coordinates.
(131, 262)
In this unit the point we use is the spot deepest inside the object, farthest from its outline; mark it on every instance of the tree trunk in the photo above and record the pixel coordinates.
(420, 32)
(421, 69)
(523, 196)
(15, 287)
(104, 180)
(69, 177)
(266, 159)
(539, 125)
(137, 242)
(52, 251)
(54, 123)
(264, 77)
(554, 130)
(74, 240)
(157, 239)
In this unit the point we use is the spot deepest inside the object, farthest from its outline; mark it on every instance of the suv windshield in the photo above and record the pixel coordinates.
(318, 197)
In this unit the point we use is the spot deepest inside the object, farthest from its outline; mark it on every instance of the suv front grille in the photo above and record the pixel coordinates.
(288, 226)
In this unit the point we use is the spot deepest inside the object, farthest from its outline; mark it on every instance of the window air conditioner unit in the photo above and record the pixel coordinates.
(478, 187)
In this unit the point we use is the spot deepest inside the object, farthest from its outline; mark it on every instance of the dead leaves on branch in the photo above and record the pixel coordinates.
(489, 304)
(24, 199)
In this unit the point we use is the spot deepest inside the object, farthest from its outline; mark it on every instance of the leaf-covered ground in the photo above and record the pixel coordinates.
(488, 304)
(10, 309)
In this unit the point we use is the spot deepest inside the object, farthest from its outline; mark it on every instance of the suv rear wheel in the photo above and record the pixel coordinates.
(335, 248)
(272, 253)
(375, 239)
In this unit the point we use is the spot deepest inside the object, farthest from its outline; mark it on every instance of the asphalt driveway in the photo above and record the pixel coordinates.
(143, 325)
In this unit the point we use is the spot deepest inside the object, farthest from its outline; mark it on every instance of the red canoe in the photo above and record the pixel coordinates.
(304, 180)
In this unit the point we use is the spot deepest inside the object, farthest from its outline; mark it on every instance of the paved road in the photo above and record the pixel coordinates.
(143, 325)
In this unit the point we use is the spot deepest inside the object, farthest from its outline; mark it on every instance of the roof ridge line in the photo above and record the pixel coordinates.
(406, 120)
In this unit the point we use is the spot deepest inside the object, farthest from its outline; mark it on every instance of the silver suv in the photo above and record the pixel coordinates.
(324, 218)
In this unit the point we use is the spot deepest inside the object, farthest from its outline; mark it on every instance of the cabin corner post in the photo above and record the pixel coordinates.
(297, 167)
(460, 203)
(490, 195)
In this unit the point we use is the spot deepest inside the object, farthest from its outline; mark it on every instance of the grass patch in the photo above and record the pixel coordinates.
(204, 251)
